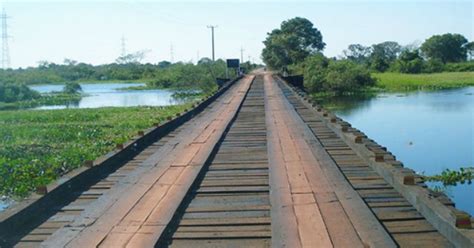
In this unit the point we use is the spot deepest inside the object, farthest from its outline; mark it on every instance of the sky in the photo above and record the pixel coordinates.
(91, 31)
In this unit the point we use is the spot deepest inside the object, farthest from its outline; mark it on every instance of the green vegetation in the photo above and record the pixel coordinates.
(38, 146)
(188, 76)
(48, 99)
(446, 48)
(452, 177)
(447, 52)
(10, 93)
(17, 96)
(433, 81)
(333, 77)
(126, 69)
(292, 43)
(296, 46)
(72, 88)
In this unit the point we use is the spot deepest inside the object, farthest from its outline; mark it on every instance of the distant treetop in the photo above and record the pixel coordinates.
(295, 40)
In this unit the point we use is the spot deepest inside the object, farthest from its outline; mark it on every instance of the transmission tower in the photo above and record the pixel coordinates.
(5, 48)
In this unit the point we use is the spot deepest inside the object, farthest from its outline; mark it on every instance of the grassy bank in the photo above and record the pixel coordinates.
(38, 146)
(434, 81)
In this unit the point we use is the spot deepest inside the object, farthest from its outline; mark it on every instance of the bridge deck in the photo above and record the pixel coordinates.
(258, 168)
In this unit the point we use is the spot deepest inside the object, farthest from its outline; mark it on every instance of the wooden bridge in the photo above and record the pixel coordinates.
(255, 165)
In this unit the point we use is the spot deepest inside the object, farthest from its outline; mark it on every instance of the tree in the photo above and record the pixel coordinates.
(357, 53)
(70, 62)
(409, 61)
(447, 47)
(470, 50)
(295, 40)
(383, 54)
(204, 60)
(164, 64)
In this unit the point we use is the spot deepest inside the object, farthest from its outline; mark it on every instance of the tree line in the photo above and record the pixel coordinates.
(446, 52)
(296, 47)
(201, 76)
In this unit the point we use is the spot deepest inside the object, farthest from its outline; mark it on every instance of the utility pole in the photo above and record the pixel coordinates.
(124, 50)
(5, 48)
(212, 32)
(242, 55)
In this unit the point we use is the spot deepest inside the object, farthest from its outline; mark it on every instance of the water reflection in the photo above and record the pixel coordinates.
(113, 95)
(427, 131)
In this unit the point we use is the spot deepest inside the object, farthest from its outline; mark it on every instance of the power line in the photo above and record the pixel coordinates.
(212, 32)
(5, 48)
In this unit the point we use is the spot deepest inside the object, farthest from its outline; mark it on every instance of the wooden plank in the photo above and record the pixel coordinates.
(425, 239)
(212, 208)
(218, 234)
(397, 213)
(220, 243)
(228, 228)
(226, 221)
(340, 229)
(311, 226)
(409, 226)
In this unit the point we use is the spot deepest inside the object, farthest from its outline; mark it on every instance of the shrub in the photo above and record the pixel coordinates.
(72, 88)
(346, 76)
(409, 62)
(314, 71)
(16, 92)
(434, 65)
(459, 67)
(186, 75)
(338, 77)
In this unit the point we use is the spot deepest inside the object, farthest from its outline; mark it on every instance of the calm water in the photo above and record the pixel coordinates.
(427, 131)
(109, 95)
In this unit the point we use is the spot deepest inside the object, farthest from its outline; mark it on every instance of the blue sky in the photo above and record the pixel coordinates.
(90, 31)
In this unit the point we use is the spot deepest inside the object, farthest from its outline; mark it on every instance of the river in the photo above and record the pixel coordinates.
(111, 95)
(427, 131)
